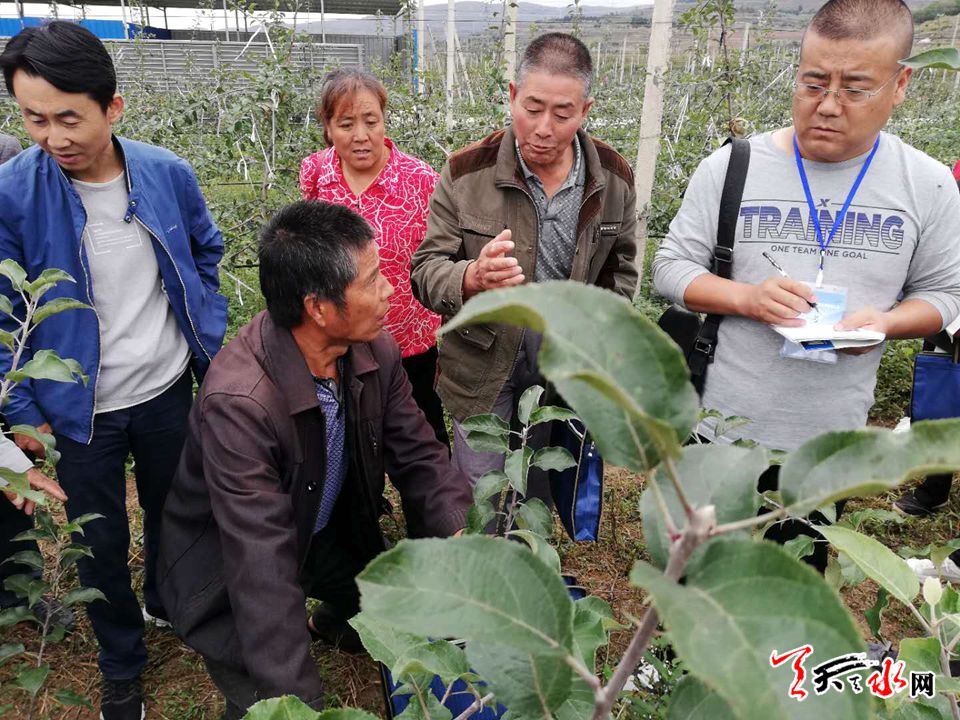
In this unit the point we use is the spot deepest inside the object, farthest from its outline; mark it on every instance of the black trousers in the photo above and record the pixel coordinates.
(94, 478)
(329, 574)
(934, 490)
(422, 371)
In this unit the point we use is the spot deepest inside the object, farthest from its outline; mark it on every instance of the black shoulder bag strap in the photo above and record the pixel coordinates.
(706, 342)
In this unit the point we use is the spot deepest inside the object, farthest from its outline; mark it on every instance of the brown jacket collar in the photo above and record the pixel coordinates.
(508, 171)
(286, 367)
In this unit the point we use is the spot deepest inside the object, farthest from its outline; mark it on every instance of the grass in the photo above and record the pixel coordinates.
(178, 687)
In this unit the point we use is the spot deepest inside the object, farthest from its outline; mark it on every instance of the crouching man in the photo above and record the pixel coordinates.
(281, 481)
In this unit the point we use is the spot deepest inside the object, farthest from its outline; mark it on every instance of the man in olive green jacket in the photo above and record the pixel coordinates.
(539, 201)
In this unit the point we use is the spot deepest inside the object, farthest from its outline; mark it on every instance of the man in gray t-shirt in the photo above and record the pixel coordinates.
(894, 254)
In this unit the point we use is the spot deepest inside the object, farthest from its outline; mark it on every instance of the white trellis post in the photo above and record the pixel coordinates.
(510, 46)
(623, 57)
(451, 59)
(658, 61)
(421, 55)
(746, 43)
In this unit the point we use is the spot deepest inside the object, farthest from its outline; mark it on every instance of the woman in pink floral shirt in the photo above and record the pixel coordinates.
(363, 170)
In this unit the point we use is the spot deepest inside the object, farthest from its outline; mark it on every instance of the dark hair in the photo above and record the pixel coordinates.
(558, 54)
(866, 20)
(66, 55)
(340, 84)
(309, 248)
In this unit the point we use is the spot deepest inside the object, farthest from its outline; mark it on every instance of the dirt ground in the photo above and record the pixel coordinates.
(178, 688)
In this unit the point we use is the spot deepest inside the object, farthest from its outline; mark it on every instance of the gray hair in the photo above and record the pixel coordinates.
(558, 54)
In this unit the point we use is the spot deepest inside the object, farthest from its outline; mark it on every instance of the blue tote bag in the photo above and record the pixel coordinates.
(936, 384)
(578, 492)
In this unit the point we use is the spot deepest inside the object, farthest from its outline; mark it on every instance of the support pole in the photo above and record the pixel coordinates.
(463, 66)
(421, 55)
(123, 16)
(226, 21)
(166, 23)
(323, 27)
(451, 59)
(651, 117)
(20, 11)
(510, 45)
(623, 57)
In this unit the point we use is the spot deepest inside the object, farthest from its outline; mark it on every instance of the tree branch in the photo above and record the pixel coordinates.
(474, 707)
(700, 527)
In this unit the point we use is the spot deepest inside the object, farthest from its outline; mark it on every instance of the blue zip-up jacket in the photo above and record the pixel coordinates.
(41, 226)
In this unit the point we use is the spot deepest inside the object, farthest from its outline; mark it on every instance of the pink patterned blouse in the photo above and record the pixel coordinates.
(396, 206)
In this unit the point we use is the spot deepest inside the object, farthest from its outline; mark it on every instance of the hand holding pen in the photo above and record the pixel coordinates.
(777, 300)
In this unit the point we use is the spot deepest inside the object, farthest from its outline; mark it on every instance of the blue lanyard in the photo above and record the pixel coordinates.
(815, 216)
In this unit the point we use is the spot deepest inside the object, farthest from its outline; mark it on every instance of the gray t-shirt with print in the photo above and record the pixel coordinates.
(900, 239)
(142, 351)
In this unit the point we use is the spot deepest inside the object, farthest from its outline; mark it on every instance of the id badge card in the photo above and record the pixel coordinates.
(831, 306)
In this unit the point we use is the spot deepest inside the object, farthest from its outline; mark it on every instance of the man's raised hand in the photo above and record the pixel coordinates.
(493, 270)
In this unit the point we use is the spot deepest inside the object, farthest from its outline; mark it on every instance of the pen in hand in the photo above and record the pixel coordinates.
(783, 273)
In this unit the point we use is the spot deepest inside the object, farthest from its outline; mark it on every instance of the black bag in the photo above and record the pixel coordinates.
(698, 340)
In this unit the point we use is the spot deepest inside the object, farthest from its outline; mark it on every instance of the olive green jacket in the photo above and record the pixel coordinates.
(482, 191)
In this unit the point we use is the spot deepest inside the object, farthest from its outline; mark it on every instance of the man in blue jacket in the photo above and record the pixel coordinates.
(129, 223)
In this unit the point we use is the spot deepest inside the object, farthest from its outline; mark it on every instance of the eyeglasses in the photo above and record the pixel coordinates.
(845, 96)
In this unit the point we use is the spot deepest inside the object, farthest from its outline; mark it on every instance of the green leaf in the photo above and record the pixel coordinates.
(30, 558)
(850, 572)
(10, 650)
(923, 655)
(14, 615)
(455, 588)
(855, 519)
(47, 365)
(27, 535)
(936, 59)
(720, 475)
(478, 516)
(82, 595)
(31, 679)
(490, 484)
(878, 562)
(874, 616)
(27, 587)
(535, 516)
(438, 657)
(553, 458)
(8, 339)
(579, 706)
(529, 401)
(550, 413)
(48, 441)
(385, 643)
(800, 547)
(589, 633)
(6, 307)
(540, 547)
(482, 442)
(71, 699)
(692, 700)
(73, 553)
(346, 714)
(743, 600)
(490, 424)
(11, 270)
(55, 306)
(516, 466)
(860, 463)
(423, 704)
(594, 340)
(915, 711)
(291, 708)
(47, 279)
(76, 525)
(531, 685)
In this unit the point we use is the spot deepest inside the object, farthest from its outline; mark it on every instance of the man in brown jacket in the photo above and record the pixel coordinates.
(538, 201)
(281, 480)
